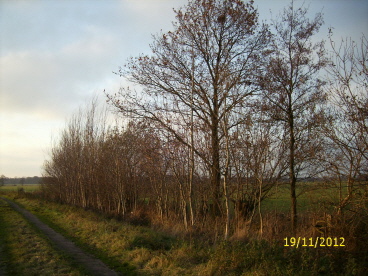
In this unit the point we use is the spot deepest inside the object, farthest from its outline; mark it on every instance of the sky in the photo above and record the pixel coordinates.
(57, 55)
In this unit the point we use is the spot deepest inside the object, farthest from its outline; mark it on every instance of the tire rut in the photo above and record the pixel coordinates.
(91, 264)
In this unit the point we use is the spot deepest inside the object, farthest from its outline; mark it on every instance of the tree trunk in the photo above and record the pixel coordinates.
(292, 173)
(215, 172)
(226, 172)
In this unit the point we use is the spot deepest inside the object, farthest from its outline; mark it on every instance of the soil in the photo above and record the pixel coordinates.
(91, 264)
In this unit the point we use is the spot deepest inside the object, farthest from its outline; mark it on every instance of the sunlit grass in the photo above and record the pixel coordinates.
(26, 251)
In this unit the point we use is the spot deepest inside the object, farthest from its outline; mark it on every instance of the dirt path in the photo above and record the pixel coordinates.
(91, 264)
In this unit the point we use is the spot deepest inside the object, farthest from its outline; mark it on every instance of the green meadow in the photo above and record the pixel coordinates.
(18, 187)
(311, 197)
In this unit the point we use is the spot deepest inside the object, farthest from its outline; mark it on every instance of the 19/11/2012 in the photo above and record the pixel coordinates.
(314, 242)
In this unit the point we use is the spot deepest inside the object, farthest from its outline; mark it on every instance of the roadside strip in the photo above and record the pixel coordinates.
(91, 264)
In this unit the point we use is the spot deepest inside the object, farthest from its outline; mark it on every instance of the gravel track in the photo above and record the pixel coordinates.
(91, 264)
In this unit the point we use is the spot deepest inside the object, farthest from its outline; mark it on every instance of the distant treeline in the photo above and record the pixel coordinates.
(21, 180)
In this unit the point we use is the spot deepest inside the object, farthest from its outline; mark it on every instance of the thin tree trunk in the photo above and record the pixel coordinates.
(191, 176)
(259, 207)
(215, 172)
(227, 223)
(292, 174)
(226, 172)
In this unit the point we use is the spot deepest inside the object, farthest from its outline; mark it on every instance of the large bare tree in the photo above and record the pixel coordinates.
(292, 88)
(206, 65)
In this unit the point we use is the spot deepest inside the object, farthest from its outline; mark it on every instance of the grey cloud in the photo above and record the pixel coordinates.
(58, 53)
(53, 80)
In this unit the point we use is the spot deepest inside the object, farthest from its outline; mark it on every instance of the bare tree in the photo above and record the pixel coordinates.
(257, 164)
(348, 128)
(223, 43)
(73, 163)
(349, 88)
(292, 88)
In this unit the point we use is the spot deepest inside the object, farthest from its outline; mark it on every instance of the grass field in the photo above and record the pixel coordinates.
(16, 187)
(138, 250)
(310, 197)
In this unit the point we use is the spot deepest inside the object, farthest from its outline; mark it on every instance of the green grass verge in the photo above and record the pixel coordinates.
(137, 250)
(26, 251)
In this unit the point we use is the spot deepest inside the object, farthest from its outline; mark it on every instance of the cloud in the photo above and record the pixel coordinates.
(56, 56)
(35, 80)
(31, 80)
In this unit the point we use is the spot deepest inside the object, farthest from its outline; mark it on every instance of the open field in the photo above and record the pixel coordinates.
(310, 197)
(16, 187)
(140, 250)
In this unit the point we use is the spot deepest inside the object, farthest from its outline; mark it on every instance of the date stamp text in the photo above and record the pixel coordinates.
(314, 242)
